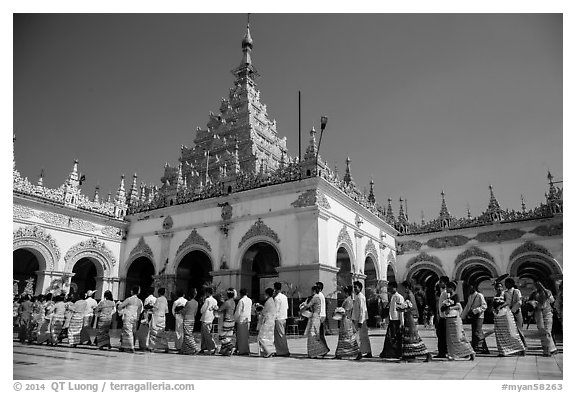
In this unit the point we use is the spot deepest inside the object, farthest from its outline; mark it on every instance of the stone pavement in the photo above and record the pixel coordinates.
(87, 363)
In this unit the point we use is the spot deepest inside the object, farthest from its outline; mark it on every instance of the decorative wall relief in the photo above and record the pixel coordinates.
(473, 252)
(344, 237)
(312, 197)
(447, 241)
(194, 239)
(141, 250)
(259, 229)
(548, 230)
(406, 246)
(22, 212)
(424, 257)
(226, 211)
(54, 218)
(498, 236)
(168, 223)
(82, 225)
(113, 232)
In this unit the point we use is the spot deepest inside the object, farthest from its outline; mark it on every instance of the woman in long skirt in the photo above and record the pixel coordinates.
(189, 344)
(266, 326)
(508, 340)
(130, 309)
(104, 311)
(458, 345)
(158, 339)
(37, 318)
(347, 334)
(76, 322)
(226, 332)
(24, 317)
(58, 318)
(316, 346)
(543, 315)
(412, 344)
(44, 327)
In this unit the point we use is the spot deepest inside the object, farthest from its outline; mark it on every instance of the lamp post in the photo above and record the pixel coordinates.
(323, 122)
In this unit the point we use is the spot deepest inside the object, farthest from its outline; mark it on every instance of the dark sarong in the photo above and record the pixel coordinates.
(393, 342)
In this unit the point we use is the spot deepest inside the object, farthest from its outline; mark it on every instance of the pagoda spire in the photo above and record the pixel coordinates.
(96, 194)
(468, 214)
(120, 201)
(389, 213)
(494, 210)
(523, 203)
(133, 193)
(312, 148)
(445, 216)
(41, 178)
(348, 175)
(401, 215)
(246, 71)
(73, 176)
(371, 197)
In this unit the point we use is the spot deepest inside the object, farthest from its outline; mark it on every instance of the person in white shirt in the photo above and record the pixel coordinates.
(359, 317)
(210, 305)
(158, 339)
(280, 340)
(144, 331)
(513, 298)
(474, 311)
(393, 342)
(243, 316)
(177, 307)
(323, 326)
(91, 304)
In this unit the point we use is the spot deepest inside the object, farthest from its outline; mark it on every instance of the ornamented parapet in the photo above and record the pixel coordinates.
(499, 236)
(407, 246)
(447, 241)
(90, 245)
(259, 229)
(192, 239)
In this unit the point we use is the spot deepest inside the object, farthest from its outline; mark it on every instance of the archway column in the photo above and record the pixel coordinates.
(228, 278)
(45, 278)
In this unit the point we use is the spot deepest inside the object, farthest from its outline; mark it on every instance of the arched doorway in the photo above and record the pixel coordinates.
(532, 270)
(84, 278)
(258, 266)
(193, 271)
(140, 273)
(426, 279)
(344, 275)
(24, 266)
(390, 275)
(475, 274)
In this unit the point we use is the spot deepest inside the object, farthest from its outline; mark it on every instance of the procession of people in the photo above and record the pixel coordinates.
(84, 321)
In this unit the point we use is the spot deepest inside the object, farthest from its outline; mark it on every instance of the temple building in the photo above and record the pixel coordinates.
(236, 210)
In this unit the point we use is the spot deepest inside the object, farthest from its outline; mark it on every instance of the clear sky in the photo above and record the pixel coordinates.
(420, 102)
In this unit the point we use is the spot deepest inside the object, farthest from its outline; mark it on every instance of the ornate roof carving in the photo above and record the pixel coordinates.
(142, 249)
(39, 234)
(498, 236)
(473, 252)
(312, 197)
(530, 247)
(90, 245)
(447, 241)
(371, 249)
(259, 229)
(112, 232)
(194, 239)
(22, 212)
(424, 257)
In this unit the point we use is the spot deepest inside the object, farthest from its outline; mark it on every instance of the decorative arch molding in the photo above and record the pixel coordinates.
(36, 238)
(424, 257)
(254, 240)
(185, 251)
(194, 239)
(424, 265)
(141, 249)
(259, 229)
(372, 251)
(344, 240)
(95, 250)
(466, 263)
(532, 251)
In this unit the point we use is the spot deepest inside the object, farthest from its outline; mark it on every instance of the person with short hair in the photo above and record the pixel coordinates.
(189, 344)
(508, 340)
(210, 305)
(323, 322)
(316, 344)
(393, 341)
(360, 318)
(243, 317)
(177, 307)
(458, 345)
(46, 318)
(130, 309)
(266, 325)
(103, 312)
(474, 311)
(541, 301)
(143, 332)
(91, 304)
(58, 318)
(347, 341)
(76, 322)
(158, 339)
(280, 339)
(226, 333)
(24, 317)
